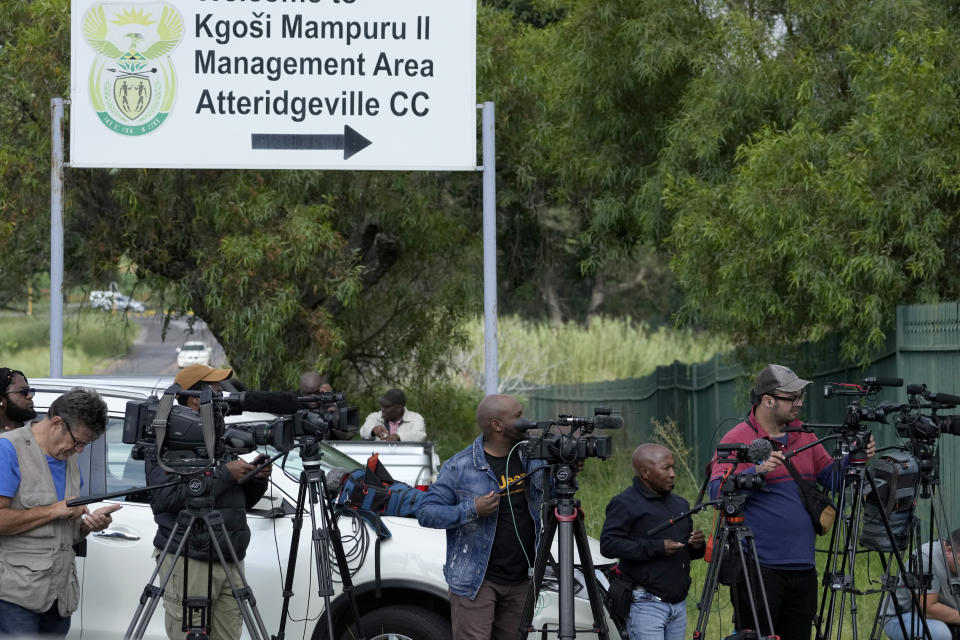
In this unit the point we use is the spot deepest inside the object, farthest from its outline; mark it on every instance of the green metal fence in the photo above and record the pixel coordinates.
(706, 399)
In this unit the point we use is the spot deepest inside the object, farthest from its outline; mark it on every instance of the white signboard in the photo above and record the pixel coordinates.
(274, 84)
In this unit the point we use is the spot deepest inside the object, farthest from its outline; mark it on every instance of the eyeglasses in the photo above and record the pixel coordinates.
(77, 444)
(794, 400)
(25, 392)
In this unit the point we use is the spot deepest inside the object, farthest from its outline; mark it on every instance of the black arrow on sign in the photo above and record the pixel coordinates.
(351, 142)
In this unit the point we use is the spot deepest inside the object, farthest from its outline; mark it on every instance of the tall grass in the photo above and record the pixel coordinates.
(90, 340)
(537, 353)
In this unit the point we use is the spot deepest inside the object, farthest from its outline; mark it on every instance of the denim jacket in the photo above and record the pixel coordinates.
(449, 505)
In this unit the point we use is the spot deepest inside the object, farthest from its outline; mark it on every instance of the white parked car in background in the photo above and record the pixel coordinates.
(193, 352)
(116, 564)
(110, 300)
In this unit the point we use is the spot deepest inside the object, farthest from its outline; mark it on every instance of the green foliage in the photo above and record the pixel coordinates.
(814, 185)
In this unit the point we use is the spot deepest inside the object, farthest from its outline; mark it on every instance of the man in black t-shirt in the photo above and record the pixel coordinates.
(514, 538)
(490, 508)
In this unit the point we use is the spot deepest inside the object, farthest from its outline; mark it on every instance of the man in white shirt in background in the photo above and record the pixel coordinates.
(394, 422)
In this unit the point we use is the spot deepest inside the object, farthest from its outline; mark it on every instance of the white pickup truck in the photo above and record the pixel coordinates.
(414, 463)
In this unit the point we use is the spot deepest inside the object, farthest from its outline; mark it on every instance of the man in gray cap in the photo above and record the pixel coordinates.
(782, 528)
(394, 422)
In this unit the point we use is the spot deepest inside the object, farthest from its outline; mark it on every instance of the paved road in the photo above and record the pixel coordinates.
(153, 354)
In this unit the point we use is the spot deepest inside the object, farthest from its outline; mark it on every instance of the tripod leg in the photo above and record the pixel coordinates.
(590, 577)
(152, 594)
(745, 535)
(297, 525)
(344, 568)
(242, 593)
(825, 615)
(539, 566)
(710, 582)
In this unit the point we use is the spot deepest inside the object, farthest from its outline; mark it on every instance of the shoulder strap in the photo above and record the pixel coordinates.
(796, 476)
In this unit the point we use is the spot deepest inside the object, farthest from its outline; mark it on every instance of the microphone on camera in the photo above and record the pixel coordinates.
(943, 398)
(280, 402)
(759, 450)
(595, 422)
(609, 422)
(884, 382)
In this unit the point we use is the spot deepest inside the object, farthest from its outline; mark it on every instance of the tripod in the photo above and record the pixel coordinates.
(313, 479)
(840, 579)
(918, 579)
(199, 518)
(562, 513)
(733, 537)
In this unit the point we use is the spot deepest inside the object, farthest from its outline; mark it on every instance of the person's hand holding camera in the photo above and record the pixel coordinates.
(380, 431)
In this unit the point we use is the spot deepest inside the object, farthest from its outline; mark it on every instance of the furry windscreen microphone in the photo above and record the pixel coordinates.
(759, 450)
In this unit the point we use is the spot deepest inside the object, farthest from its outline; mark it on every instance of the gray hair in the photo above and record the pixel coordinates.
(81, 406)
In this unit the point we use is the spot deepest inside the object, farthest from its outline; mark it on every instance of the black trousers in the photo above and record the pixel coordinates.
(791, 596)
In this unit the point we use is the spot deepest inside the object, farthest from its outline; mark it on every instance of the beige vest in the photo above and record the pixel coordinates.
(36, 567)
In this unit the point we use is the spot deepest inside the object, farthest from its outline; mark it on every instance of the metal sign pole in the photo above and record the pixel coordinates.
(56, 238)
(490, 362)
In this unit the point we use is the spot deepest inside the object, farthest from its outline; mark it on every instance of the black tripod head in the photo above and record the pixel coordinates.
(564, 478)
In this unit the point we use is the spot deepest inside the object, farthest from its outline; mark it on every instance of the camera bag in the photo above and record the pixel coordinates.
(373, 489)
(896, 475)
(618, 598)
(372, 492)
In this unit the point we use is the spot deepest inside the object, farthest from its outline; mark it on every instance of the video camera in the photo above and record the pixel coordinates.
(575, 445)
(853, 433)
(187, 438)
(916, 426)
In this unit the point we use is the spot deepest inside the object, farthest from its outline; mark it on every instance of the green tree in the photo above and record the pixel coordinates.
(811, 175)
(583, 102)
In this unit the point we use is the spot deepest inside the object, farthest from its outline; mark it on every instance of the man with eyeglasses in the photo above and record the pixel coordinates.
(783, 532)
(38, 474)
(16, 399)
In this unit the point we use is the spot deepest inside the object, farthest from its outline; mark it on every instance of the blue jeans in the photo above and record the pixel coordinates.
(938, 629)
(20, 622)
(652, 619)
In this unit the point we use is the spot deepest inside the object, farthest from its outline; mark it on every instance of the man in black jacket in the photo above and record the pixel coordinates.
(231, 500)
(659, 565)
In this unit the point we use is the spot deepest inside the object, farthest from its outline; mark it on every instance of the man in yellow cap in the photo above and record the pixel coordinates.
(232, 500)
(193, 376)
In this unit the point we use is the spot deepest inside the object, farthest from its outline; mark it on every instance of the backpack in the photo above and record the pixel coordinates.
(897, 477)
(372, 492)
(373, 489)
